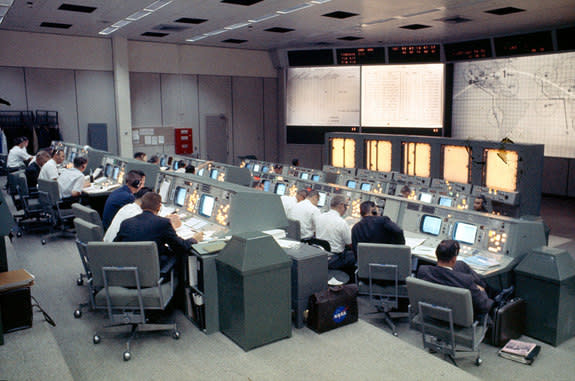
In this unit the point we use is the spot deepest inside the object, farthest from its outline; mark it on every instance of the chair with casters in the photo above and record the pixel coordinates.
(61, 220)
(86, 232)
(293, 230)
(381, 273)
(444, 315)
(87, 214)
(131, 284)
(33, 217)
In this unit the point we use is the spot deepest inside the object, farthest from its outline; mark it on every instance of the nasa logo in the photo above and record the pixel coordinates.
(340, 314)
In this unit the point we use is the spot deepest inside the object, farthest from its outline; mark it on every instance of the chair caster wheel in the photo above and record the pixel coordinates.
(78, 315)
(96, 339)
(395, 334)
(127, 356)
(478, 361)
(176, 335)
(19, 234)
(43, 242)
(80, 281)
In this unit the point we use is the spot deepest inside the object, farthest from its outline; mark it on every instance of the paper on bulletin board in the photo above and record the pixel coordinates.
(135, 135)
(147, 140)
(160, 139)
(154, 140)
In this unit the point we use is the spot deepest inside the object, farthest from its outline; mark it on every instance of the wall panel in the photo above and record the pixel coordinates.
(146, 99)
(215, 98)
(247, 128)
(12, 88)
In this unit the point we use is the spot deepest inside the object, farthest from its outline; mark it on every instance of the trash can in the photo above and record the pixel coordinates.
(254, 290)
(546, 280)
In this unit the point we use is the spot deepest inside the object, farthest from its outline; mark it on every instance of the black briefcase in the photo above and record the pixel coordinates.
(333, 308)
(508, 323)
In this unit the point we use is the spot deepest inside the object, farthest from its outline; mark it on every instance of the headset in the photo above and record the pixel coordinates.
(136, 183)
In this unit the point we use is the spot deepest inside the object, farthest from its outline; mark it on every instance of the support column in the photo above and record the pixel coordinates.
(122, 95)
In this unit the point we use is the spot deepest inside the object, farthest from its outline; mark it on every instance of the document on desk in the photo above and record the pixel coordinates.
(424, 251)
(185, 232)
(195, 223)
(413, 242)
(480, 261)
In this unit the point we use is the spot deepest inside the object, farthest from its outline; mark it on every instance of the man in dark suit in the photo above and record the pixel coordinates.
(33, 170)
(148, 226)
(451, 272)
(374, 228)
(135, 180)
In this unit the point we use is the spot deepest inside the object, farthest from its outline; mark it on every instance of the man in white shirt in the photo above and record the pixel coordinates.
(50, 168)
(72, 181)
(331, 227)
(306, 212)
(18, 156)
(289, 202)
(127, 211)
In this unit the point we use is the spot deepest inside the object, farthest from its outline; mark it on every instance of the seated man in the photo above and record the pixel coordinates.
(33, 170)
(451, 272)
(125, 212)
(18, 157)
(480, 204)
(141, 156)
(148, 226)
(331, 227)
(72, 181)
(289, 202)
(306, 212)
(122, 196)
(50, 169)
(373, 228)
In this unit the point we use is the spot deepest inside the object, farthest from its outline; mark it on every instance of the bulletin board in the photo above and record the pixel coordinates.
(152, 136)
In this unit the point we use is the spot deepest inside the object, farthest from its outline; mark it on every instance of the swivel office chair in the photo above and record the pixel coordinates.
(87, 214)
(60, 219)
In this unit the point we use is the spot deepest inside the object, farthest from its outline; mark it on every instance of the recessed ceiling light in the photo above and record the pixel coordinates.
(264, 18)
(237, 26)
(294, 9)
(196, 38)
(215, 32)
(157, 5)
(108, 30)
(138, 15)
(121, 23)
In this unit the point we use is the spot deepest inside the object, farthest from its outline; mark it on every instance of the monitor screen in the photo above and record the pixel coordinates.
(108, 170)
(164, 189)
(304, 176)
(280, 189)
(365, 187)
(214, 174)
(206, 205)
(315, 177)
(201, 172)
(464, 233)
(250, 166)
(350, 184)
(115, 173)
(256, 167)
(430, 224)
(266, 185)
(176, 165)
(425, 197)
(445, 201)
(265, 169)
(163, 162)
(72, 156)
(322, 198)
(180, 196)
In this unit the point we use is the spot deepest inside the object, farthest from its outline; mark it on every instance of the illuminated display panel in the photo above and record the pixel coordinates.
(214, 174)
(163, 162)
(207, 203)
(350, 184)
(266, 185)
(538, 42)
(430, 225)
(464, 232)
(264, 169)
(315, 177)
(378, 155)
(109, 170)
(365, 187)
(445, 201)
(164, 189)
(256, 167)
(402, 96)
(115, 173)
(360, 56)
(501, 169)
(304, 176)
(468, 50)
(414, 53)
(322, 198)
(180, 196)
(417, 159)
(456, 163)
(425, 197)
(342, 152)
(201, 172)
(280, 189)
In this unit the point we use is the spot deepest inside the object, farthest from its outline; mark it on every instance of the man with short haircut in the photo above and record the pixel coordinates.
(34, 169)
(373, 228)
(50, 169)
(154, 160)
(124, 195)
(72, 181)
(125, 212)
(306, 212)
(480, 204)
(148, 226)
(289, 202)
(18, 156)
(141, 156)
(331, 227)
(451, 272)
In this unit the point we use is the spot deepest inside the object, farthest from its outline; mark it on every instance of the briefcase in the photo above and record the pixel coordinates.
(508, 323)
(333, 308)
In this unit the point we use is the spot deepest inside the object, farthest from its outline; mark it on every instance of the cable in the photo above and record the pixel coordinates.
(44, 313)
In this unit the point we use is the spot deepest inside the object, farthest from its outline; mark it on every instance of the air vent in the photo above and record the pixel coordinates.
(234, 41)
(340, 15)
(350, 38)
(241, 2)
(415, 26)
(455, 20)
(154, 34)
(187, 20)
(279, 30)
(505, 11)
(412, 206)
(170, 28)
(76, 8)
(206, 188)
(428, 209)
(55, 25)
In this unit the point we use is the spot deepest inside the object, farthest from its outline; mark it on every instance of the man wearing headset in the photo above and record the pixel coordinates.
(122, 196)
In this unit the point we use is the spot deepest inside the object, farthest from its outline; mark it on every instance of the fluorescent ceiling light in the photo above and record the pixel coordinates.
(138, 15)
(295, 9)
(196, 38)
(264, 18)
(215, 32)
(121, 23)
(422, 12)
(108, 30)
(157, 5)
(319, 1)
(237, 26)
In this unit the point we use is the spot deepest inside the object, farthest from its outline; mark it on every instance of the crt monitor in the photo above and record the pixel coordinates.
(266, 184)
(115, 173)
(108, 170)
(180, 196)
(256, 167)
(265, 169)
(280, 189)
(430, 224)
(304, 176)
(322, 198)
(315, 177)
(445, 201)
(350, 184)
(163, 162)
(176, 165)
(214, 174)
(249, 166)
(365, 187)
(201, 172)
(206, 205)
(464, 232)
(72, 156)
(425, 197)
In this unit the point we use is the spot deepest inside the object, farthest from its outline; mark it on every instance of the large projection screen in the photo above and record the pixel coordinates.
(323, 96)
(402, 95)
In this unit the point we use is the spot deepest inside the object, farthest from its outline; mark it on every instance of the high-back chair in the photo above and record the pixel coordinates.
(444, 314)
(33, 217)
(130, 283)
(60, 220)
(381, 273)
(87, 214)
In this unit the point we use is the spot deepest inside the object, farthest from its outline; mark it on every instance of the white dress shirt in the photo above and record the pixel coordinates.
(17, 156)
(330, 226)
(306, 213)
(125, 212)
(71, 180)
(49, 171)
(288, 202)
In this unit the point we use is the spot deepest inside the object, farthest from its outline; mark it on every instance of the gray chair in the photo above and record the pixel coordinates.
(86, 232)
(444, 315)
(60, 219)
(87, 214)
(293, 230)
(381, 273)
(33, 217)
(130, 284)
